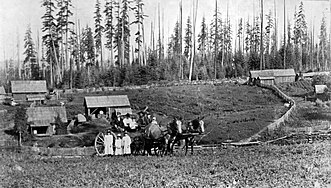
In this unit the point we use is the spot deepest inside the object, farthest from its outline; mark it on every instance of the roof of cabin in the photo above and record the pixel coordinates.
(29, 86)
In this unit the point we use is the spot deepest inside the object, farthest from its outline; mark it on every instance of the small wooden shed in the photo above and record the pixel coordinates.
(107, 104)
(43, 119)
(24, 90)
(274, 76)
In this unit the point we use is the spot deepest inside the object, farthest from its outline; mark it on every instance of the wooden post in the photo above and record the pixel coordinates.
(284, 35)
(19, 139)
(261, 36)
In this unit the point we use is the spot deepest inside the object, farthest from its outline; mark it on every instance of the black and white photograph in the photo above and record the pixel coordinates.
(165, 93)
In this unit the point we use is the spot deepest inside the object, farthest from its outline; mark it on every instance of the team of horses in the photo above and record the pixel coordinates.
(163, 137)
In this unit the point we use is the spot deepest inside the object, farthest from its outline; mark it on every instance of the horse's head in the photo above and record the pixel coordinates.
(197, 125)
(176, 126)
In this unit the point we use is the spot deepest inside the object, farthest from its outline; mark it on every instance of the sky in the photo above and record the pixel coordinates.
(16, 15)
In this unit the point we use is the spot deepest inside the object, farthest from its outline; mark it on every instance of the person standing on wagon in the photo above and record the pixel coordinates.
(118, 145)
(109, 141)
(126, 142)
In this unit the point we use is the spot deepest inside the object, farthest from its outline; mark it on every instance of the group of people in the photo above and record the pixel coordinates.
(130, 124)
(118, 145)
(123, 123)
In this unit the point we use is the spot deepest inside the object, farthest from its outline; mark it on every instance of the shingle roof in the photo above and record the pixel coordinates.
(29, 86)
(262, 73)
(284, 72)
(107, 101)
(2, 90)
(273, 73)
(44, 116)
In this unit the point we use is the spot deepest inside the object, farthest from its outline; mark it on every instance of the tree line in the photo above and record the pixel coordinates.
(73, 57)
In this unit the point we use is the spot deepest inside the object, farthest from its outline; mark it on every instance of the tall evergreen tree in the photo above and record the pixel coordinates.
(109, 28)
(267, 40)
(300, 36)
(323, 45)
(51, 41)
(203, 38)
(139, 21)
(188, 38)
(29, 63)
(98, 34)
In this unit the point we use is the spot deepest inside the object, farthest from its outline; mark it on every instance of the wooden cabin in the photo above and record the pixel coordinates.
(29, 90)
(274, 76)
(43, 119)
(312, 74)
(107, 104)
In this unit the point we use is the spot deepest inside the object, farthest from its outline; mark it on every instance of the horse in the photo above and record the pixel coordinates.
(180, 132)
(156, 137)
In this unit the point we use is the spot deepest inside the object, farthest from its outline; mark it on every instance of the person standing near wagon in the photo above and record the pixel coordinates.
(118, 145)
(108, 143)
(126, 144)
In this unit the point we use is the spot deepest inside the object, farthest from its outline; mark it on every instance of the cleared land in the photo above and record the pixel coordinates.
(230, 111)
(261, 166)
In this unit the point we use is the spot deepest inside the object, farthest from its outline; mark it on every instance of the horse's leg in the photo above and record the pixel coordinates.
(192, 142)
(186, 144)
(172, 143)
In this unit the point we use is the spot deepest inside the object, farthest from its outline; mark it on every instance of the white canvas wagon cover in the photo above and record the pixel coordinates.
(319, 89)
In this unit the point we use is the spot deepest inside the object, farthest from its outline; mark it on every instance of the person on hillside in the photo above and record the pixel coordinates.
(118, 145)
(108, 143)
(126, 144)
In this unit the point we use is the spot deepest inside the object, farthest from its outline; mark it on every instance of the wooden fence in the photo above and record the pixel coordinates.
(279, 122)
(153, 85)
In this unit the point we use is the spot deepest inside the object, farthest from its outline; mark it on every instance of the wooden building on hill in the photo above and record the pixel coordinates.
(43, 119)
(312, 74)
(107, 104)
(274, 76)
(29, 90)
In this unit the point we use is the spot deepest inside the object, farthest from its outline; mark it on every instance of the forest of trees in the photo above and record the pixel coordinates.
(73, 56)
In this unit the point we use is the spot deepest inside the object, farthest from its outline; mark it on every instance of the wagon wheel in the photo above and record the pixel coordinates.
(138, 145)
(99, 143)
(159, 147)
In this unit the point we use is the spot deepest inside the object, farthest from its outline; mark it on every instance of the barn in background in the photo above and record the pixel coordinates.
(274, 76)
(107, 104)
(24, 90)
(43, 119)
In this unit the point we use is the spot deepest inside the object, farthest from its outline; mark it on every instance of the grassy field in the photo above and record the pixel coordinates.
(230, 111)
(260, 166)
